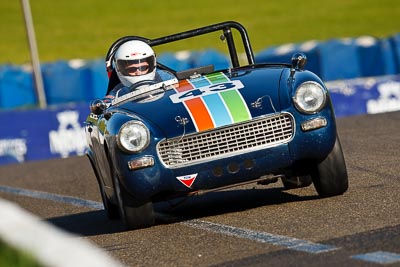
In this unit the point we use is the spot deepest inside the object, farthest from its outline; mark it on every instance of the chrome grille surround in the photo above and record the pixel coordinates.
(227, 141)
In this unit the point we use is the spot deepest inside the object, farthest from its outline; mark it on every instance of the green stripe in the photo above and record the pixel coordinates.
(236, 105)
(217, 78)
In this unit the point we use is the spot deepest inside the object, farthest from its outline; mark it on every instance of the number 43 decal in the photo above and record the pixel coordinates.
(206, 90)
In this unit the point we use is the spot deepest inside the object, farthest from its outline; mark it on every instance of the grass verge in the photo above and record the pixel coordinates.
(10, 256)
(85, 29)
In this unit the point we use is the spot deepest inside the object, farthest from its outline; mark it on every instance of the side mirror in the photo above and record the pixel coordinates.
(97, 106)
(299, 60)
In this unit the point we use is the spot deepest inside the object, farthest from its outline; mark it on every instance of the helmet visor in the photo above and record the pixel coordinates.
(136, 67)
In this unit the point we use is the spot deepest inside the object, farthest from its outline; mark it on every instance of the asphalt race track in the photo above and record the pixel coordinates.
(247, 226)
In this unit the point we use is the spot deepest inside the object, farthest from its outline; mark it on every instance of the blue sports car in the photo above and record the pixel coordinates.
(204, 129)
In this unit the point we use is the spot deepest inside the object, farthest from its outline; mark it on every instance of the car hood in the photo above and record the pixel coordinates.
(211, 101)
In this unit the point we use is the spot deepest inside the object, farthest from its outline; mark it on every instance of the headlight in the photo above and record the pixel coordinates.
(133, 136)
(310, 97)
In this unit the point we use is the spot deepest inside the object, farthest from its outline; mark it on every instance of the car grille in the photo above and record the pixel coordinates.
(233, 139)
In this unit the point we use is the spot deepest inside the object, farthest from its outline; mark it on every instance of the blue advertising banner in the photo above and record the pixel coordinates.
(365, 95)
(42, 134)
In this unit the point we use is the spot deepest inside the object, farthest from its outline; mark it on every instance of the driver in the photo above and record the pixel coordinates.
(134, 61)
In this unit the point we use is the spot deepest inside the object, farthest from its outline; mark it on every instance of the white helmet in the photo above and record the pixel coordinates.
(134, 52)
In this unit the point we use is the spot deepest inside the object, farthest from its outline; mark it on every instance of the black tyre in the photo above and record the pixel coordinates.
(296, 181)
(138, 217)
(134, 216)
(110, 208)
(330, 175)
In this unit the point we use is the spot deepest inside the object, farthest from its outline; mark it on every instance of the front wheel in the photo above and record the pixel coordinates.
(134, 216)
(330, 175)
(110, 208)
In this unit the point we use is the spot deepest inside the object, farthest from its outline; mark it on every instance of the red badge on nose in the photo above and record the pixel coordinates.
(187, 180)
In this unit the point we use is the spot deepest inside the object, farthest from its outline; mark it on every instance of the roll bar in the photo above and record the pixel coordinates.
(224, 26)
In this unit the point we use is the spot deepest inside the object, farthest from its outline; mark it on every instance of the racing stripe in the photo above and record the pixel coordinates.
(236, 105)
(212, 110)
(199, 113)
(184, 85)
(199, 82)
(218, 111)
(217, 77)
(197, 109)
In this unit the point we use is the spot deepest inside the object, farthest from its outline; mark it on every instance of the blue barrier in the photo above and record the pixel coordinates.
(98, 79)
(371, 60)
(177, 61)
(16, 87)
(276, 54)
(395, 44)
(339, 60)
(283, 54)
(389, 57)
(191, 59)
(64, 82)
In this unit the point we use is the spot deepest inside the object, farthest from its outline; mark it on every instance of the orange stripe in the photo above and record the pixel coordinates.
(184, 85)
(199, 114)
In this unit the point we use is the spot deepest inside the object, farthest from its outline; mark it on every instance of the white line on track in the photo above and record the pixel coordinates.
(381, 257)
(278, 240)
(53, 197)
(262, 237)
